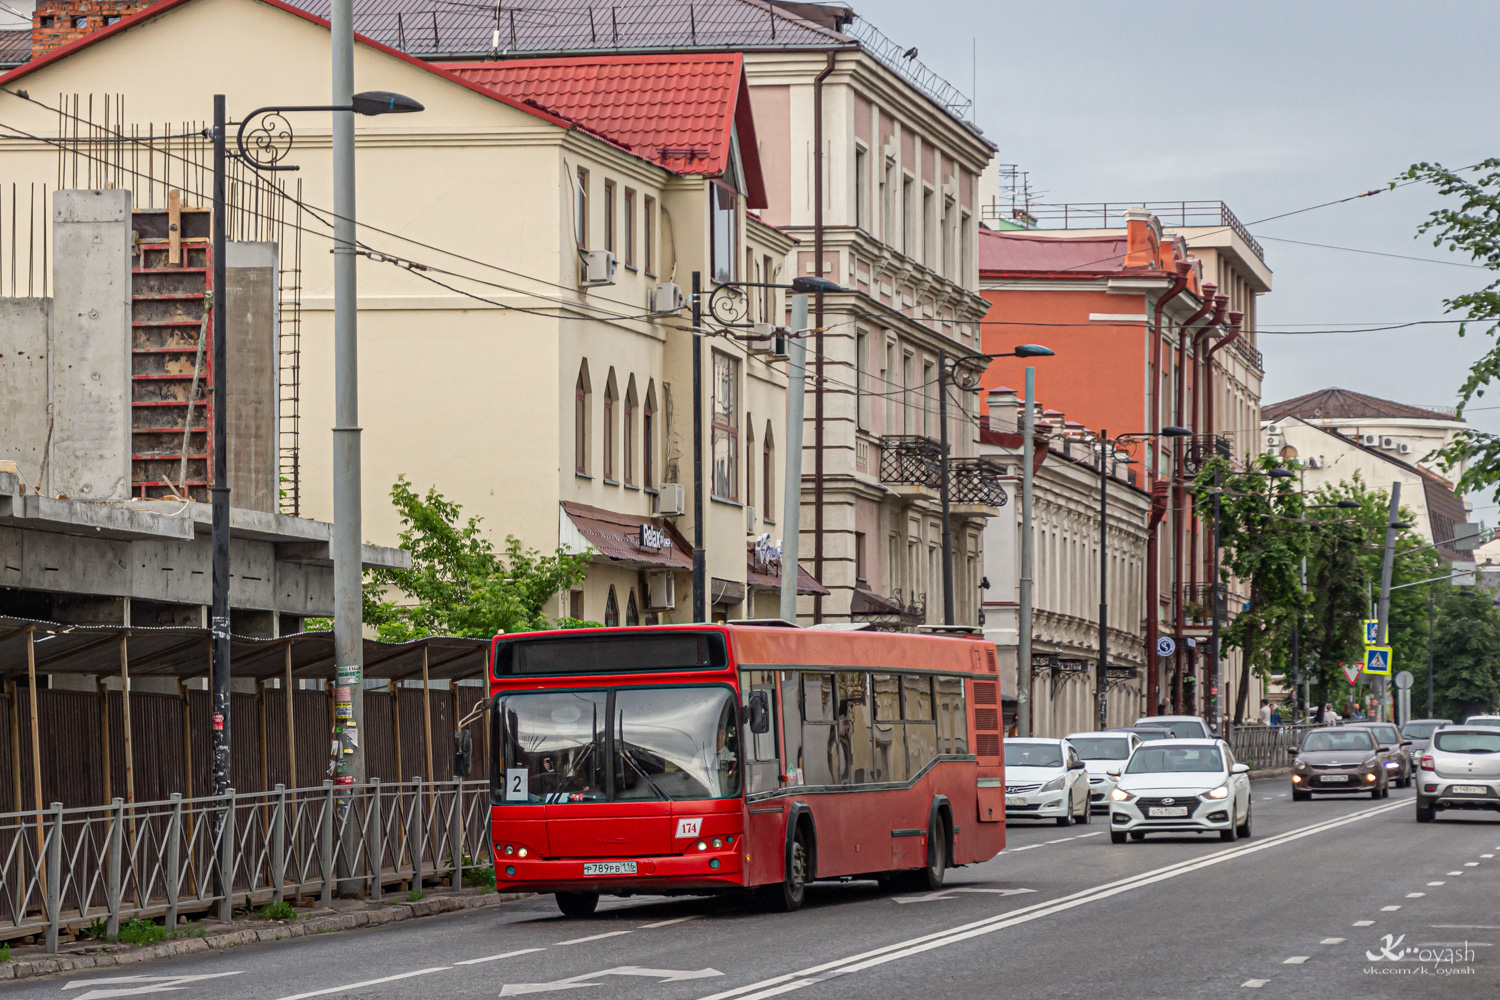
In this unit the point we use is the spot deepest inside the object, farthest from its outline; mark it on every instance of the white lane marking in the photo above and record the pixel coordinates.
(1254, 984)
(1455, 873)
(1282, 795)
(1026, 848)
(1296, 960)
(1389, 909)
(1096, 833)
(1331, 941)
(1437, 883)
(1364, 923)
(1466, 927)
(1471, 864)
(1415, 895)
(674, 920)
(143, 984)
(1061, 840)
(904, 949)
(574, 982)
(368, 982)
(1267, 798)
(496, 958)
(591, 937)
(1486, 855)
(948, 893)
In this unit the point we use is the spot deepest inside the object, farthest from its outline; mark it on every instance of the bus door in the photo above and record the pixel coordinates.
(765, 830)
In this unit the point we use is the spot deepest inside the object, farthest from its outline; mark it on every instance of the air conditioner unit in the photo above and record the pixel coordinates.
(1388, 443)
(666, 298)
(1273, 428)
(1314, 463)
(762, 337)
(1404, 448)
(1369, 440)
(669, 500)
(1273, 440)
(749, 520)
(598, 267)
(661, 590)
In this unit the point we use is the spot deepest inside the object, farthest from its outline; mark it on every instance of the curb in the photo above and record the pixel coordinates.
(53, 964)
(1268, 773)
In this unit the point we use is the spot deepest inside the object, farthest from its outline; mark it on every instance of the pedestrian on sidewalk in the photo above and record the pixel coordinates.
(1265, 712)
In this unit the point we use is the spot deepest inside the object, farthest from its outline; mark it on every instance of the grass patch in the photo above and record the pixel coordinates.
(139, 931)
(479, 878)
(277, 911)
(4, 951)
(415, 895)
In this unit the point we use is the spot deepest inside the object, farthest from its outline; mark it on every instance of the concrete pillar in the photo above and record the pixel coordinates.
(251, 283)
(24, 385)
(89, 457)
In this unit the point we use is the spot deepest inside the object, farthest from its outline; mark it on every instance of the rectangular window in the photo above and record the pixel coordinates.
(609, 215)
(581, 209)
(854, 751)
(929, 228)
(726, 427)
(723, 221)
(966, 255)
(921, 728)
(861, 571)
(887, 199)
(768, 295)
(945, 232)
(861, 189)
(889, 733)
(929, 399)
(908, 217)
(762, 765)
(908, 405)
(819, 732)
(629, 232)
(887, 383)
(953, 716)
(862, 379)
(768, 476)
(648, 231)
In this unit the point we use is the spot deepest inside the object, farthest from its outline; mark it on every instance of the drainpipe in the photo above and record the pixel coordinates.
(1153, 598)
(1153, 615)
(818, 335)
(1179, 494)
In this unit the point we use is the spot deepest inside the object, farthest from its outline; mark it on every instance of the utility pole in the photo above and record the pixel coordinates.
(1430, 626)
(1101, 673)
(219, 612)
(1383, 613)
(700, 582)
(1214, 714)
(943, 485)
(791, 486)
(1023, 643)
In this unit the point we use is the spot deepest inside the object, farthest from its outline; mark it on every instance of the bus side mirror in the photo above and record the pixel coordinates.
(759, 712)
(463, 753)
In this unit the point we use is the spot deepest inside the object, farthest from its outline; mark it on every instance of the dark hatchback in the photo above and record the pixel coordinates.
(1339, 760)
(1395, 751)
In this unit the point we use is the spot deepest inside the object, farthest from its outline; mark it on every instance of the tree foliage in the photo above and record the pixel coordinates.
(1466, 657)
(458, 583)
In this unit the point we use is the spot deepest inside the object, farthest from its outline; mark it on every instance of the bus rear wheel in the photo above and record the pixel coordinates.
(577, 904)
(929, 878)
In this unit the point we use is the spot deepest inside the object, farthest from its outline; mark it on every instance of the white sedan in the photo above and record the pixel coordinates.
(1045, 779)
(1101, 752)
(1180, 786)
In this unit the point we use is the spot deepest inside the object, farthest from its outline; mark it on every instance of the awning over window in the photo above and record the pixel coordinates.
(769, 575)
(648, 542)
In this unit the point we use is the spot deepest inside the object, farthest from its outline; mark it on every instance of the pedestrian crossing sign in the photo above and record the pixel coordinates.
(1372, 631)
(1378, 660)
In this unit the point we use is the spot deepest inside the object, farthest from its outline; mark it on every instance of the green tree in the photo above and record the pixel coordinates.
(1264, 537)
(1466, 656)
(458, 583)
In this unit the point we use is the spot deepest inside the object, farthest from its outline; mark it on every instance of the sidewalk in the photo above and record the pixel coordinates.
(30, 961)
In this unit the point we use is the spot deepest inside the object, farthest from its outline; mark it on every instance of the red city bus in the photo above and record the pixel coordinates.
(722, 758)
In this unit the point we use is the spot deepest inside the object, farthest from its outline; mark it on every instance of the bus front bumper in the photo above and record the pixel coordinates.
(696, 871)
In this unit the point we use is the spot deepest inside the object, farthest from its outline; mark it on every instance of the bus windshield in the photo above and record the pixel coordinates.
(623, 744)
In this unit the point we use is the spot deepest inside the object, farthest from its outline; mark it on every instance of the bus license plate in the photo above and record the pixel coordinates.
(609, 867)
(1468, 789)
(1165, 812)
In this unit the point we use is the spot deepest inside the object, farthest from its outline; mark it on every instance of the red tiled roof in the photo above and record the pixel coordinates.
(1018, 251)
(677, 110)
(1343, 404)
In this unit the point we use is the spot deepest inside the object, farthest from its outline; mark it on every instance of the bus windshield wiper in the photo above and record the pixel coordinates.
(629, 757)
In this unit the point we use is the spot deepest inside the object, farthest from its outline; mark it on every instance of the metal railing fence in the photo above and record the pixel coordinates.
(68, 869)
(1265, 746)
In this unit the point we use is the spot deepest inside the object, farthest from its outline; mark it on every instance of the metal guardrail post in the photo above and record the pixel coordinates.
(325, 845)
(53, 891)
(417, 835)
(112, 886)
(174, 859)
(376, 851)
(226, 858)
(455, 835)
(278, 846)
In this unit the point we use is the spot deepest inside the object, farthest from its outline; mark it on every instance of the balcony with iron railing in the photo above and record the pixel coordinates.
(911, 463)
(1110, 215)
(1199, 448)
(975, 482)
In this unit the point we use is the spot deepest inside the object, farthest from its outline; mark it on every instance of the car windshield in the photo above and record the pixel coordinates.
(1101, 747)
(1482, 720)
(660, 743)
(1183, 729)
(1149, 760)
(1032, 754)
(1462, 742)
(1420, 730)
(1385, 734)
(1151, 736)
(1339, 739)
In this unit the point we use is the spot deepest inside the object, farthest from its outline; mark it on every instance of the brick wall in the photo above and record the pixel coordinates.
(55, 23)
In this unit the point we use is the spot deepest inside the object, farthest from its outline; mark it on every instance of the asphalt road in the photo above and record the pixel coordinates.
(1332, 898)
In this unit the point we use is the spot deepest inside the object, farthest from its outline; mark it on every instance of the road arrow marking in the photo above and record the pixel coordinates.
(574, 982)
(948, 893)
(143, 984)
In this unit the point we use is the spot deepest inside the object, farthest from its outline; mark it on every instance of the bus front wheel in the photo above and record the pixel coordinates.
(789, 895)
(577, 904)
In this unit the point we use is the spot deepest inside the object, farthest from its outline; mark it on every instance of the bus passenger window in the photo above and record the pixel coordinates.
(791, 698)
(821, 749)
(953, 716)
(889, 733)
(921, 729)
(854, 764)
(762, 767)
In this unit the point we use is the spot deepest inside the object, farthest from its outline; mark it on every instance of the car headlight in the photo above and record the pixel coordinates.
(1055, 784)
(1222, 792)
(1121, 795)
(1299, 765)
(1369, 763)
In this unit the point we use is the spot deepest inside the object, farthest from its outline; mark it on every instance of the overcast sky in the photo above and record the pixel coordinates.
(1269, 107)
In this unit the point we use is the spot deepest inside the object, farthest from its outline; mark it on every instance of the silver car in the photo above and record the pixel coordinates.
(1459, 770)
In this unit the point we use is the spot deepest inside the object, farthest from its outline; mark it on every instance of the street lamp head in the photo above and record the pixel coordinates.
(1034, 351)
(1348, 504)
(1399, 525)
(812, 286)
(1176, 432)
(383, 102)
(1282, 474)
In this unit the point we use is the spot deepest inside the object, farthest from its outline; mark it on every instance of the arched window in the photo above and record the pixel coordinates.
(768, 473)
(648, 438)
(611, 609)
(610, 436)
(632, 615)
(583, 405)
(627, 435)
(749, 461)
